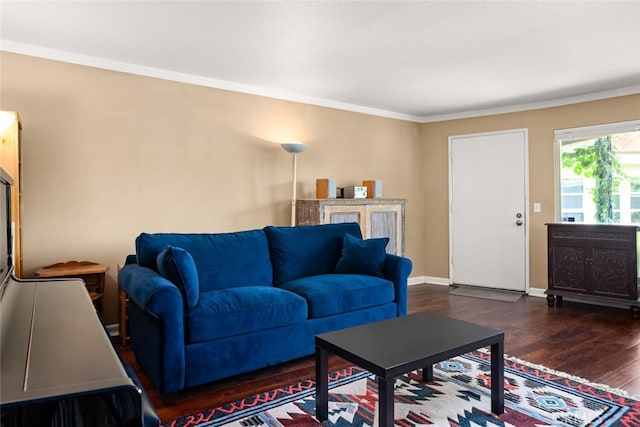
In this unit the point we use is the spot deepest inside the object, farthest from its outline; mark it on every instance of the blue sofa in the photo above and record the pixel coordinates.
(203, 307)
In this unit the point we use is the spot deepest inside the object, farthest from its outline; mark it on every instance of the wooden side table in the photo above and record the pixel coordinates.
(123, 317)
(92, 273)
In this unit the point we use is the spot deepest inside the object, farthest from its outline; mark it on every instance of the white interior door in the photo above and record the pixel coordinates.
(488, 213)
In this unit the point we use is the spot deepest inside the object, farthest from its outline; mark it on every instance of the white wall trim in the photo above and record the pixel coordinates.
(420, 280)
(597, 130)
(630, 90)
(92, 61)
(443, 281)
(537, 292)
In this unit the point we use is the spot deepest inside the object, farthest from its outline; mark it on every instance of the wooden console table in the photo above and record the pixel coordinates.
(93, 275)
(377, 217)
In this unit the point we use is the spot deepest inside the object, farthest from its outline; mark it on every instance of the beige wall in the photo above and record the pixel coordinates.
(540, 124)
(108, 155)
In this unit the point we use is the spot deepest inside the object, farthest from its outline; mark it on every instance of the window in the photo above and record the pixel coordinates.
(572, 199)
(600, 173)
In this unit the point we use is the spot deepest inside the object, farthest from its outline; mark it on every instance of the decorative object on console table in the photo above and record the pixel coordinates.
(377, 217)
(326, 188)
(374, 188)
(596, 262)
(92, 273)
(354, 192)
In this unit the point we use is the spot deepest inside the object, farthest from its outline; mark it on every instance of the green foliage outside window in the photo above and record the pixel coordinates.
(599, 161)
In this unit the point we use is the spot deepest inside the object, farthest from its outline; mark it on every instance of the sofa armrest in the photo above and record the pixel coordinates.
(162, 338)
(397, 269)
(147, 289)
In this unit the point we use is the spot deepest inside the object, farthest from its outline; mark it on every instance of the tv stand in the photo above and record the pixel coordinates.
(58, 363)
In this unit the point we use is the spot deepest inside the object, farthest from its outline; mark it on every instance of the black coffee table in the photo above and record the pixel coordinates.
(396, 346)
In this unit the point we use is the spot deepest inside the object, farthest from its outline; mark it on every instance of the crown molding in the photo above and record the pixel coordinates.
(92, 61)
(630, 90)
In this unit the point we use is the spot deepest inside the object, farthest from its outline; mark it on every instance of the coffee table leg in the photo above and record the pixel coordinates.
(497, 377)
(385, 404)
(322, 384)
(427, 374)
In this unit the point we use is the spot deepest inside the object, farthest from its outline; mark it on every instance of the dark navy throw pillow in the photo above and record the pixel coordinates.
(177, 265)
(362, 256)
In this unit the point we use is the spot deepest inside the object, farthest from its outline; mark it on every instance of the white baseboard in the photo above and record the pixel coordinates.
(442, 281)
(537, 292)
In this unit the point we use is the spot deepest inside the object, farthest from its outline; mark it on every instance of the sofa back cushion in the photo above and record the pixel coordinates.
(223, 260)
(306, 250)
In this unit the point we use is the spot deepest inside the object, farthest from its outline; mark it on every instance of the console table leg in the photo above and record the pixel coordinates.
(551, 300)
(322, 384)
(385, 404)
(497, 377)
(427, 374)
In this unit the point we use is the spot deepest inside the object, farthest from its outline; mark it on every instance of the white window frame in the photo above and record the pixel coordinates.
(579, 133)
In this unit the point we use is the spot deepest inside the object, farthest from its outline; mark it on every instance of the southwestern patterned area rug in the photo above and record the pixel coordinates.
(459, 396)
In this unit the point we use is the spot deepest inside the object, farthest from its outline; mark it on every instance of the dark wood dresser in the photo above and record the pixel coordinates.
(597, 262)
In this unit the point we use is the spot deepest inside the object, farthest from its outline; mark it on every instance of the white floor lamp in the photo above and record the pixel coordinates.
(294, 148)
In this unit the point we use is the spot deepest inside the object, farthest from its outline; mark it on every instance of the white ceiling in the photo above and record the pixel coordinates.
(418, 60)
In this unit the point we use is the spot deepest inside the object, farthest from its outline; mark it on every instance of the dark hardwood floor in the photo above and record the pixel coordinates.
(598, 343)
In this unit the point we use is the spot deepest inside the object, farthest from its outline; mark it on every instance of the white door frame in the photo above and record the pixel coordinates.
(526, 197)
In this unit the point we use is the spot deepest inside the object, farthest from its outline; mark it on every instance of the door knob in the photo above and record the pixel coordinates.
(519, 222)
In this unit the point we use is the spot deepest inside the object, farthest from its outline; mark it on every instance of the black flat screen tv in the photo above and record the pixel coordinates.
(6, 230)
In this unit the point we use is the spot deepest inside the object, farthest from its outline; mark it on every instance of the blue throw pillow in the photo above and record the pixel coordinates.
(362, 256)
(177, 265)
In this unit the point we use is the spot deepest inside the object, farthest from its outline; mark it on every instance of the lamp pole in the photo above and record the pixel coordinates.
(294, 148)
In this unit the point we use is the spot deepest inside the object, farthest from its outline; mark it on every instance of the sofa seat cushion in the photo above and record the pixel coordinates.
(236, 311)
(329, 294)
